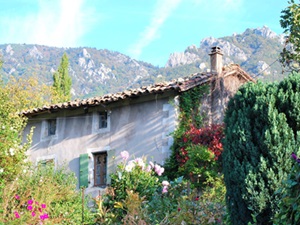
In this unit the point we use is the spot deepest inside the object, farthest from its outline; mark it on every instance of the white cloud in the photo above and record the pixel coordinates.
(163, 10)
(56, 23)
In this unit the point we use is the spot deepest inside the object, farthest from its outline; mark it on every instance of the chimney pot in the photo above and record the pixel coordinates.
(216, 60)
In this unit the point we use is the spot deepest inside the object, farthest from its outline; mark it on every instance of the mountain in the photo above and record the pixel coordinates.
(97, 72)
(256, 50)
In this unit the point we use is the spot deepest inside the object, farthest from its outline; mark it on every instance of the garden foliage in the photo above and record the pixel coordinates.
(12, 151)
(134, 176)
(261, 126)
(44, 195)
(140, 195)
(197, 146)
(198, 157)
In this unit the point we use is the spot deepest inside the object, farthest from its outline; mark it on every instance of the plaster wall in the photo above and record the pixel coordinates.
(143, 129)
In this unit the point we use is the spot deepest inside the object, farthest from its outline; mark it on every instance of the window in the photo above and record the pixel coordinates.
(100, 169)
(51, 127)
(102, 120)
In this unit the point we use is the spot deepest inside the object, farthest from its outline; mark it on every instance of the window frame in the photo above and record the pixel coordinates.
(52, 123)
(45, 126)
(96, 128)
(103, 180)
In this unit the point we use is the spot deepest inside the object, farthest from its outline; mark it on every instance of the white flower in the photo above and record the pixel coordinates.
(165, 183)
(129, 166)
(11, 151)
(140, 162)
(1, 170)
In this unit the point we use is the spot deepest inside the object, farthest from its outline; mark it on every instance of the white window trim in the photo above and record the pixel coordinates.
(91, 152)
(95, 126)
(47, 157)
(44, 131)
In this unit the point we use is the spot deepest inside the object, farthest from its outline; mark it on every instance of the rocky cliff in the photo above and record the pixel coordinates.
(96, 72)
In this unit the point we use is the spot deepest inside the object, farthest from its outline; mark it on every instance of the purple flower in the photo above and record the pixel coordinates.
(17, 197)
(294, 156)
(30, 202)
(125, 155)
(43, 206)
(29, 207)
(33, 214)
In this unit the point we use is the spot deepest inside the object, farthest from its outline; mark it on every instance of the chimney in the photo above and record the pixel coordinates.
(216, 60)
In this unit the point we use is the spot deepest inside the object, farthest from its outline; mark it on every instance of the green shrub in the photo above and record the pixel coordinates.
(181, 205)
(138, 196)
(47, 192)
(289, 208)
(257, 146)
(135, 176)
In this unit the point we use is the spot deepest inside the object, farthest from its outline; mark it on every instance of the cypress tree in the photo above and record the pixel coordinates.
(62, 82)
(257, 146)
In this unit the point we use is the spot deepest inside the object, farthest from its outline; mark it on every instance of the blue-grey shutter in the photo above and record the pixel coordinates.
(83, 170)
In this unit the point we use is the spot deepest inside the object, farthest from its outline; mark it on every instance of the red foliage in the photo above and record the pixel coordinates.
(209, 136)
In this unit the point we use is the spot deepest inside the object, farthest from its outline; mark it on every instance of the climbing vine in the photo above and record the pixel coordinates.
(197, 146)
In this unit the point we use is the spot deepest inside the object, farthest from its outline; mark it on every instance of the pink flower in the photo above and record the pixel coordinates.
(17, 197)
(178, 209)
(125, 155)
(165, 189)
(33, 214)
(151, 164)
(44, 216)
(17, 215)
(148, 169)
(29, 207)
(43, 206)
(158, 169)
(30, 202)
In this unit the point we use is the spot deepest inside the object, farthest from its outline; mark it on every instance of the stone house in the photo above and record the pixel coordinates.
(88, 135)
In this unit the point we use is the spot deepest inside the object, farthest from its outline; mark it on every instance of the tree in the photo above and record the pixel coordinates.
(27, 93)
(62, 82)
(12, 149)
(261, 126)
(290, 22)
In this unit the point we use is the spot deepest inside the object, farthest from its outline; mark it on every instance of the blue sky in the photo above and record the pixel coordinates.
(148, 30)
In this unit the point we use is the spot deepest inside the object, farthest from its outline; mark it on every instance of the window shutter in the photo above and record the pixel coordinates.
(83, 170)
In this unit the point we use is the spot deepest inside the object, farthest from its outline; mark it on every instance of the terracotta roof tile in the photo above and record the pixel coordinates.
(180, 85)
